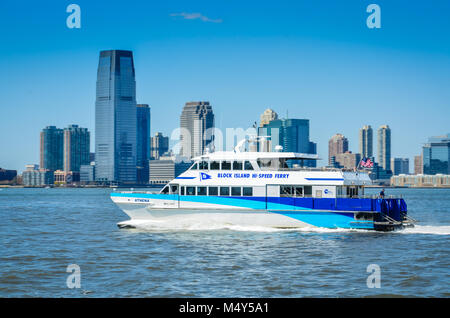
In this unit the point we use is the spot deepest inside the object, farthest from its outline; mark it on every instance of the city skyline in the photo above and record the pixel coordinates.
(372, 77)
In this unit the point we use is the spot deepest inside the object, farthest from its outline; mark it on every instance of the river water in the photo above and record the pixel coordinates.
(43, 231)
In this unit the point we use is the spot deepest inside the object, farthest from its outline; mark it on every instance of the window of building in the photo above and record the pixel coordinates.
(213, 190)
(215, 165)
(247, 191)
(201, 190)
(248, 165)
(190, 190)
(237, 165)
(236, 191)
(226, 165)
(224, 191)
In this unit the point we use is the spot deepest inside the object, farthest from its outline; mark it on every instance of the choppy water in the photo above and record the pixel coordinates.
(45, 230)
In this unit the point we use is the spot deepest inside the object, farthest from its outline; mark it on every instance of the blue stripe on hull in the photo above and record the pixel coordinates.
(330, 219)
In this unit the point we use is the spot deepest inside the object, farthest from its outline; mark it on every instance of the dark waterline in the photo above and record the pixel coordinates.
(45, 230)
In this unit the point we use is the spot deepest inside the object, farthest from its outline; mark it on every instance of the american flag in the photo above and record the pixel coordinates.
(366, 163)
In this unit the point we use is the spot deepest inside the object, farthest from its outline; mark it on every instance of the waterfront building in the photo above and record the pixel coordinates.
(400, 166)
(51, 148)
(338, 144)
(87, 173)
(366, 141)
(159, 146)
(166, 169)
(418, 164)
(267, 117)
(62, 177)
(384, 147)
(291, 134)
(32, 176)
(197, 124)
(436, 155)
(347, 160)
(421, 180)
(115, 118)
(143, 142)
(77, 144)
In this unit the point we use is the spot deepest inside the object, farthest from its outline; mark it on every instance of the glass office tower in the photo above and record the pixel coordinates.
(366, 141)
(143, 142)
(51, 149)
(436, 155)
(292, 135)
(115, 118)
(77, 143)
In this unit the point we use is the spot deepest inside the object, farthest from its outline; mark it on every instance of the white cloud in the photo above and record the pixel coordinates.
(194, 16)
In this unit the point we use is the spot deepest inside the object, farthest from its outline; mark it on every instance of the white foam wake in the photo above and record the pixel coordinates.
(427, 229)
(152, 225)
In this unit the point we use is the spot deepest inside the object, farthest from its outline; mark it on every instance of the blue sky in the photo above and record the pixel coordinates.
(312, 59)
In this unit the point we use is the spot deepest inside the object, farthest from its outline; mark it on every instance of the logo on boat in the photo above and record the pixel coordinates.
(204, 176)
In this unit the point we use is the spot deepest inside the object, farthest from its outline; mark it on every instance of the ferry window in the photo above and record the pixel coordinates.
(194, 166)
(215, 165)
(203, 165)
(182, 190)
(201, 190)
(298, 191)
(307, 191)
(248, 165)
(237, 165)
(165, 190)
(174, 189)
(226, 165)
(224, 191)
(286, 191)
(247, 191)
(190, 190)
(213, 191)
(236, 191)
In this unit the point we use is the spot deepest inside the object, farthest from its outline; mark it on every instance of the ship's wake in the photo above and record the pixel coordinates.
(186, 225)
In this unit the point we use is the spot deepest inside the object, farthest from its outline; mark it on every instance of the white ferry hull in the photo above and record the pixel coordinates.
(141, 213)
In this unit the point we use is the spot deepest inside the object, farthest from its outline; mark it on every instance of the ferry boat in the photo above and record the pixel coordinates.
(270, 189)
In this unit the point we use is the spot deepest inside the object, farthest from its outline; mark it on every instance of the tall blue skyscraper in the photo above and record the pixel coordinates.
(77, 143)
(115, 118)
(436, 155)
(143, 142)
(52, 146)
(292, 135)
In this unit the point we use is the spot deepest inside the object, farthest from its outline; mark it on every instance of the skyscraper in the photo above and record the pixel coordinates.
(436, 155)
(196, 123)
(418, 164)
(143, 142)
(77, 143)
(267, 117)
(51, 149)
(336, 145)
(400, 166)
(159, 146)
(366, 141)
(384, 147)
(292, 135)
(115, 118)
